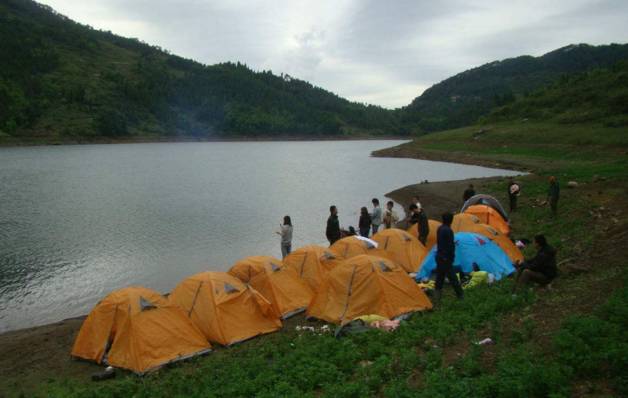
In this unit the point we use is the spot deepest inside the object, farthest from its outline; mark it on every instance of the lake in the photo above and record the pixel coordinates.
(77, 222)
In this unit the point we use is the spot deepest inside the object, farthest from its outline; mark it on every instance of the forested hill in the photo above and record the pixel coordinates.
(597, 96)
(462, 99)
(60, 80)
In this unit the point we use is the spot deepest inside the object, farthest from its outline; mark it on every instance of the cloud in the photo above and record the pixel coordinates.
(384, 53)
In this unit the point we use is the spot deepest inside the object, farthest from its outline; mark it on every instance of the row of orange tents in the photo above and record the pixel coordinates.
(138, 329)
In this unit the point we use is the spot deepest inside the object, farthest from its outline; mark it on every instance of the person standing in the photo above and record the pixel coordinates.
(376, 216)
(390, 216)
(445, 255)
(333, 226)
(424, 226)
(541, 269)
(552, 194)
(468, 193)
(286, 236)
(513, 192)
(365, 222)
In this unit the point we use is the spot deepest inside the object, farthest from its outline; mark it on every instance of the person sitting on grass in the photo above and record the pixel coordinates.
(541, 269)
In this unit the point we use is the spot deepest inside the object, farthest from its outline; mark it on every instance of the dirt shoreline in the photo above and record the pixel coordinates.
(40, 352)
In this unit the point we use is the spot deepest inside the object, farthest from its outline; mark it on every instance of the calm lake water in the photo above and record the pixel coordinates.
(77, 222)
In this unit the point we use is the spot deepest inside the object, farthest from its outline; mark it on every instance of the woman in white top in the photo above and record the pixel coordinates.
(286, 236)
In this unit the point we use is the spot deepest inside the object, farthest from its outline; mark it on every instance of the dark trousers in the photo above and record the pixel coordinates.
(513, 202)
(375, 228)
(554, 205)
(423, 240)
(365, 232)
(445, 268)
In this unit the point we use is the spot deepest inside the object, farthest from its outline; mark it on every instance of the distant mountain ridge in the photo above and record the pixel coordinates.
(63, 80)
(462, 99)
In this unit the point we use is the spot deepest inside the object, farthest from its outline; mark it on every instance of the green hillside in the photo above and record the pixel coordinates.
(599, 95)
(463, 98)
(60, 80)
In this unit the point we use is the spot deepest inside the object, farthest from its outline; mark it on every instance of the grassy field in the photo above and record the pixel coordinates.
(569, 340)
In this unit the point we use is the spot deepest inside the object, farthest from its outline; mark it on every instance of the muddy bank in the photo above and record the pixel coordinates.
(440, 197)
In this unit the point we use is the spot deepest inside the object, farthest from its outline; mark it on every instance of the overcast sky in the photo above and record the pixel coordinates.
(373, 51)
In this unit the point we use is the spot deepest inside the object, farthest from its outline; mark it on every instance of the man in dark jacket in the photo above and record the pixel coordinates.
(468, 193)
(333, 226)
(418, 216)
(541, 269)
(445, 255)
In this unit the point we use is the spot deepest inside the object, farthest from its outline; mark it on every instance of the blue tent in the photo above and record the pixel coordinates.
(472, 248)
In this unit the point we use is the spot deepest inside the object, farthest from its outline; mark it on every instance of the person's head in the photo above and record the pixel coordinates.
(415, 199)
(375, 202)
(333, 210)
(470, 186)
(390, 204)
(352, 231)
(476, 267)
(414, 208)
(552, 180)
(448, 218)
(364, 211)
(286, 220)
(540, 241)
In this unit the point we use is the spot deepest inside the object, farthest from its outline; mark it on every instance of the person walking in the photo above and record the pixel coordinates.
(333, 226)
(513, 193)
(285, 232)
(468, 193)
(552, 195)
(390, 216)
(376, 216)
(445, 255)
(365, 222)
(541, 269)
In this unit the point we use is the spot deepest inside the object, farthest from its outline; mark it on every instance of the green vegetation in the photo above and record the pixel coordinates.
(463, 98)
(62, 81)
(597, 96)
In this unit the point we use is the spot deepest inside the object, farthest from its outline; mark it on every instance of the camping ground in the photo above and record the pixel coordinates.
(569, 340)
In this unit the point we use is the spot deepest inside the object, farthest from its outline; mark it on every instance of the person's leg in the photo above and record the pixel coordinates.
(554, 206)
(528, 276)
(284, 251)
(455, 283)
(288, 248)
(440, 278)
(375, 228)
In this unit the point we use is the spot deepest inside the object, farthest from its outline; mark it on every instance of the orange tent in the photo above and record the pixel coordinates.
(365, 285)
(142, 330)
(226, 310)
(490, 216)
(311, 264)
(350, 246)
(500, 240)
(404, 249)
(281, 285)
(431, 237)
(464, 221)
